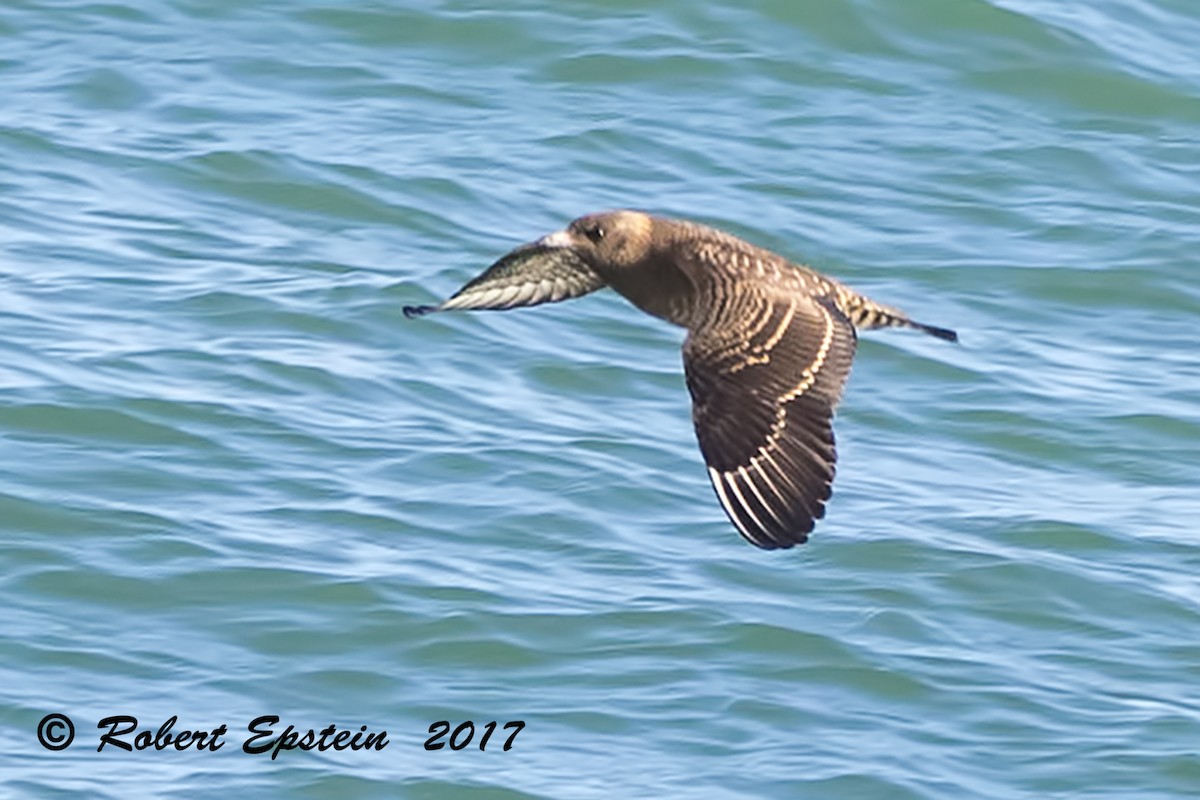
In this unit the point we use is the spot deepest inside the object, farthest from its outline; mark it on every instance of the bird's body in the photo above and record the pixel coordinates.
(767, 355)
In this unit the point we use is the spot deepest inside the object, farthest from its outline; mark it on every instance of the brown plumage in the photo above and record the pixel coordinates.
(767, 355)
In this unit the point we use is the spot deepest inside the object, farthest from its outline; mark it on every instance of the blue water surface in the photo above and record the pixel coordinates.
(236, 482)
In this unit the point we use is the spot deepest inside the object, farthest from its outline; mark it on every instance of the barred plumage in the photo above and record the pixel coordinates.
(768, 351)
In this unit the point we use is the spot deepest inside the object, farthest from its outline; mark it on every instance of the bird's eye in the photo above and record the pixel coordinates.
(595, 233)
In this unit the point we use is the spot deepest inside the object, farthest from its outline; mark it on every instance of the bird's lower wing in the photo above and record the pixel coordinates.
(763, 395)
(528, 276)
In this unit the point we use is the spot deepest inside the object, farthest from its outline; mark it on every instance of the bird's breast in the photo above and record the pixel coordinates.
(659, 288)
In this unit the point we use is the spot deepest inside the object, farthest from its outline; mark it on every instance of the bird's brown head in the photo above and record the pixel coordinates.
(607, 241)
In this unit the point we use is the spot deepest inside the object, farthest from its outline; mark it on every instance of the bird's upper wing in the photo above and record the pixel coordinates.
(528, 276)
(764, 389)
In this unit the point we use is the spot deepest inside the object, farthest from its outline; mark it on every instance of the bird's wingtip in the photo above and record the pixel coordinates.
(418, 311)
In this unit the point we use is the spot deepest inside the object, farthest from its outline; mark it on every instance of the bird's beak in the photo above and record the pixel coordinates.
(556, 239)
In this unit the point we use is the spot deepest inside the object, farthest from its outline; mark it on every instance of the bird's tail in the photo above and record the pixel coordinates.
(933, 330)
(867, 314)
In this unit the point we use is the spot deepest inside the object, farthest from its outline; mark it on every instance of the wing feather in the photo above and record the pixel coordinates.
(763, 402)
(527, 276)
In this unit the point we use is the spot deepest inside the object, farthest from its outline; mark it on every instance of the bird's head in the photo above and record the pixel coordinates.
(607, 241)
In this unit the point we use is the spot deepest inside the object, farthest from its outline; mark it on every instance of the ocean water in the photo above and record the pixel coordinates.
(235, 482)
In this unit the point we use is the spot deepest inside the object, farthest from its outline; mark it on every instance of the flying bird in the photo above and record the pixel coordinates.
(767, 354)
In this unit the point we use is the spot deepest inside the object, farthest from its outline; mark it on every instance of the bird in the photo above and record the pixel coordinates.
(767, 354)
